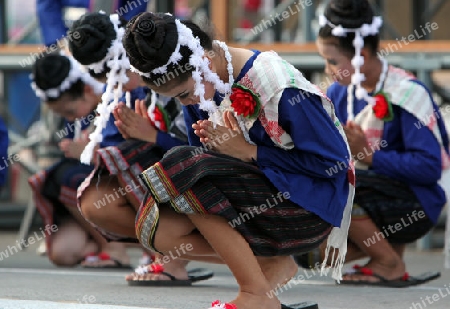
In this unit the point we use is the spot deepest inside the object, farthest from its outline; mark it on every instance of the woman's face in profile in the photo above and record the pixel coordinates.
(184, 91)
(71, 108)
(337, 64)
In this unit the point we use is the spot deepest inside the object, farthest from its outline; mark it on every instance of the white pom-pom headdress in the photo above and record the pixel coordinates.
(75, 74)
(358, 60)
(118, 63)
(201, 67)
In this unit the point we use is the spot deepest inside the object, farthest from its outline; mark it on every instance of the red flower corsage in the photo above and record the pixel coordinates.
(383, 108)
(244, 101)
(161, 118)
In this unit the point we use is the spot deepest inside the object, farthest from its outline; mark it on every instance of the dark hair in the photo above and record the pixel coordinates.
(94, 36)
(350, 14)
(150, 39)
(50, 71)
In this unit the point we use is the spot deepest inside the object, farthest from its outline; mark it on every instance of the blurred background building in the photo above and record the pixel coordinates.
(286, 26)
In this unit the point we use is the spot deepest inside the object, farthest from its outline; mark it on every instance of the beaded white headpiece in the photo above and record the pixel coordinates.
(201, 67)
(358, 43)
(76, 73)
(118, 63)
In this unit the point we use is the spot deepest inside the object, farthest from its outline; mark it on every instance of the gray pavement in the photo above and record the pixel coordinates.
(29, 281)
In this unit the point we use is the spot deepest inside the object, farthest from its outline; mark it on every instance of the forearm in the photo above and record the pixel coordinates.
(295, 161)
(411, 167)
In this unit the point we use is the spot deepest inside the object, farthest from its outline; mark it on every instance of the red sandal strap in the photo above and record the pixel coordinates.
(405, 277)
(103, 256)
(217, 304)
(369, 272)
(157, 268)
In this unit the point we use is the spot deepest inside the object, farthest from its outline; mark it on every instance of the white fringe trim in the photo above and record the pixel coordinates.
(338, 240)
(118, 62)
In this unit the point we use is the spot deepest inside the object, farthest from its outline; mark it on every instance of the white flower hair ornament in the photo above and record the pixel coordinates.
(76, 73)
(358, 60)
(118, 63)
(201, 71)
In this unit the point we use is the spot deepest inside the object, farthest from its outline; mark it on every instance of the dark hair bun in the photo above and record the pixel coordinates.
(50, 71)
(349, 13)
(146, 28)
(94, 36)
(149, 40)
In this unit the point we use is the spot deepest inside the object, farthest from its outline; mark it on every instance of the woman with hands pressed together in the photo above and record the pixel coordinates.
(397, 139)
(252, 188)
(132, 136)
(59, 82)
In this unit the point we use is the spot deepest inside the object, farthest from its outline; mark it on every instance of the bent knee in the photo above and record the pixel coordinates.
(68, 244)
(92, 205)
(62, 257)
(89, 210)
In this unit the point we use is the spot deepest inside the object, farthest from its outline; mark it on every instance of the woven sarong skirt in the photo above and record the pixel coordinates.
(391, 205)
(124, 161)
(55, 188)
(193, 181)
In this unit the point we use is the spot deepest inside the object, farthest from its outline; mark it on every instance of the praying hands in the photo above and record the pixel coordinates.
(358, 142)
(135, 124)
(225, 139)
(73, 148)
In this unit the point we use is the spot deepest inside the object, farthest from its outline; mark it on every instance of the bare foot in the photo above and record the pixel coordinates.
(176, 268)
(278, 270)
(390, 270)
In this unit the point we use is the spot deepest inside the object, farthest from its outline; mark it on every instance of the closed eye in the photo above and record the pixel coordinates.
(332, 61)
